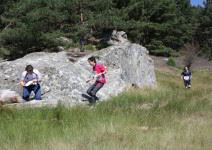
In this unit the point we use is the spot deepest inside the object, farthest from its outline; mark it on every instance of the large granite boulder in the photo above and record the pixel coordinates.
(64, 81)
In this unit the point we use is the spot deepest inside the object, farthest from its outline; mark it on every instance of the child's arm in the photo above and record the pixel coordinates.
(97, 75)
(22, 83)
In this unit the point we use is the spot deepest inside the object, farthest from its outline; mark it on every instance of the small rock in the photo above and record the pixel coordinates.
(60, 48)
(8, 96)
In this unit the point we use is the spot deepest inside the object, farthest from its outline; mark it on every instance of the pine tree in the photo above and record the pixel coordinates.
(204, 33)
(162, 26)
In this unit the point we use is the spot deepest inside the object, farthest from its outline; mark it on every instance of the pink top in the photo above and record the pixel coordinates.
(99, 68)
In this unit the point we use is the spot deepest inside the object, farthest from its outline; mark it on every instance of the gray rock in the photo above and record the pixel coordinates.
(118, 37)
(65, 40)
(64, 81)
(8, 96)
(60, 48)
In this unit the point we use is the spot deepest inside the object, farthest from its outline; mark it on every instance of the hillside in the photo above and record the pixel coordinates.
(169, 117)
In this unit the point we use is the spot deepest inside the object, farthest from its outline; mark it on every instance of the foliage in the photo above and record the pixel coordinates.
(171, 62)
(90, 47)
(204, 32)
(160, 25)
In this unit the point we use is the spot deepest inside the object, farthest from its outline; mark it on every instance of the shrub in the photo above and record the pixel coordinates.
(171, 62)
(90, 47)
(4, 52)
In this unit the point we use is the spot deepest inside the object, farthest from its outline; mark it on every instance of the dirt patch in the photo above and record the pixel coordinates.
(160, 64)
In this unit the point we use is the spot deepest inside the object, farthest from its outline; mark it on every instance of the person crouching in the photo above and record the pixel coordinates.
(30, 81)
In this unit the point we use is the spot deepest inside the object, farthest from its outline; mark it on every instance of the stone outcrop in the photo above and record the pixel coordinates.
(64, 81)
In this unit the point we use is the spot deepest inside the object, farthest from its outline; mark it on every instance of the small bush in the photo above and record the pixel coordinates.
(171, 62)
(90, 47)
(191, 51)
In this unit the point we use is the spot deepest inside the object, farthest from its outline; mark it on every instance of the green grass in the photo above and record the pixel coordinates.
(168, 117)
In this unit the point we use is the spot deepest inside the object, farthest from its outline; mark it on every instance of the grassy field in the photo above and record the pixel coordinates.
(169, 117)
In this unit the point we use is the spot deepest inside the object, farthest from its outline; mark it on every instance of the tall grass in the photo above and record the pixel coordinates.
(169, 117)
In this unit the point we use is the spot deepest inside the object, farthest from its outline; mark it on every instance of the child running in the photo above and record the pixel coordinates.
(99, 77)
(186, 75)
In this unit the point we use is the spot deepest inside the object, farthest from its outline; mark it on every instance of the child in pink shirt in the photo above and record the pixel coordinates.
(99, 71)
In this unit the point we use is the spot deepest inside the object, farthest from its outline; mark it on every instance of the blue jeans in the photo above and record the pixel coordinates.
(94, 89)
(27, 91)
